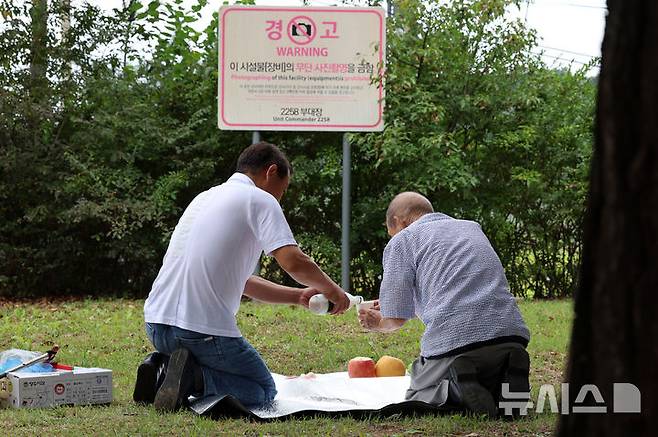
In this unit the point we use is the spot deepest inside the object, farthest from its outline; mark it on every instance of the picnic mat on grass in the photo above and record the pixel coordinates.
(333, 394)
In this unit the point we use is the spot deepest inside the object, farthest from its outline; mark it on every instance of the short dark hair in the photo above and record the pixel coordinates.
(261, 155)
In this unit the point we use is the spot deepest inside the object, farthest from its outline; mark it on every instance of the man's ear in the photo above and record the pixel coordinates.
(272, 170)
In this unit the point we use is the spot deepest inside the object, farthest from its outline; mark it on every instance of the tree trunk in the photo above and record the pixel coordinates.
(38, 51)
(615, 330)
(38, 85)
(65, 10)
(65, 13)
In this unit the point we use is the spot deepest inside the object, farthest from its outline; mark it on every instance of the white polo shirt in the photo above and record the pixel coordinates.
(212, 252)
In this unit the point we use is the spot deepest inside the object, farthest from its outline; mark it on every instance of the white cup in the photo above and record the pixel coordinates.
(365, 305)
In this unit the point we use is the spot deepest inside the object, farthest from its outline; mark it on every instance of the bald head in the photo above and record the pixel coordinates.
(406, 208)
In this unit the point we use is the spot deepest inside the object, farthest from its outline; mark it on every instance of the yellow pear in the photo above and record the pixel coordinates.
(390, 366)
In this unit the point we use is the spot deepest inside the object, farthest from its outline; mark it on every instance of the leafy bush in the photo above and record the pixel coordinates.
(477, 124)
(101, 155)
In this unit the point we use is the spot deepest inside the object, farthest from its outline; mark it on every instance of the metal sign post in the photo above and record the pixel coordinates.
(346, 214)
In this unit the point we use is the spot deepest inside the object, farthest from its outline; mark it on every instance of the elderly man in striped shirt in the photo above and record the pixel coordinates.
(445, 272)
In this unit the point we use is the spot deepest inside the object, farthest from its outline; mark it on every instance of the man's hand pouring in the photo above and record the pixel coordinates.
(304, 270)
(339, 299)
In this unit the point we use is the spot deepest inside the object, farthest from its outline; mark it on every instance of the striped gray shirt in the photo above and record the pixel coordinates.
(445, 272)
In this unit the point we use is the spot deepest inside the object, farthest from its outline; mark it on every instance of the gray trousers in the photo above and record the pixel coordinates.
(433, 382)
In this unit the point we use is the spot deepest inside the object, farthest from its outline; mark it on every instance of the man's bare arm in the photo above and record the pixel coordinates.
(266, 291)
(390, 325)
(304, 270)
(372, 320)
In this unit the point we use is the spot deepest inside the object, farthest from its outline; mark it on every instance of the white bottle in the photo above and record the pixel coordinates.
(319, 304)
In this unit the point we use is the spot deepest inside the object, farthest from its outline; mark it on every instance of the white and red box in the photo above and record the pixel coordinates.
(80, 386)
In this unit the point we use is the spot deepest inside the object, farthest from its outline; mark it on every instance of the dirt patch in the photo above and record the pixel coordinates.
(41, 302)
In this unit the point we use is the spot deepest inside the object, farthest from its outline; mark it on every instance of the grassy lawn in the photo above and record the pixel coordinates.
(109, 333)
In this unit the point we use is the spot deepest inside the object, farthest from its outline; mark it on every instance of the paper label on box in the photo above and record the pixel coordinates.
(81, 386)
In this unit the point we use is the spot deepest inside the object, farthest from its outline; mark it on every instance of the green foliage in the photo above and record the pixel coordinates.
(487, 133)
(97, 163)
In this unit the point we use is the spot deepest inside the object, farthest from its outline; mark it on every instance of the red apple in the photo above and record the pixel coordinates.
(361, 367)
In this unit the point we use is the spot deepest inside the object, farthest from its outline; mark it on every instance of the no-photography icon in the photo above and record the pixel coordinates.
(301, 30)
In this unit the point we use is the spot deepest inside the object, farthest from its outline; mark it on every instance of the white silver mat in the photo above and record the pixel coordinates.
(330, 393)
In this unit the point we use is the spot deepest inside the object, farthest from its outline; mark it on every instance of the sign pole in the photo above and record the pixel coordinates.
(345, 226)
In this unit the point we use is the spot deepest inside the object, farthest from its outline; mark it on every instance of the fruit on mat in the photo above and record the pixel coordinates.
(361, 367)
(390, 366)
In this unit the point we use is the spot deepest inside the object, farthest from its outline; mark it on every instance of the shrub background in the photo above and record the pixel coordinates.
(108, 131)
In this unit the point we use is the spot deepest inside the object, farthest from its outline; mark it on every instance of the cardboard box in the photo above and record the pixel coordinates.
(80, 386)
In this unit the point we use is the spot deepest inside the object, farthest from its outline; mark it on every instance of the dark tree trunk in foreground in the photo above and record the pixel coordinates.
(615, 334)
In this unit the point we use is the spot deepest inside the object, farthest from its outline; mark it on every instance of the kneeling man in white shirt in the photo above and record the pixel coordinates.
(214, 249)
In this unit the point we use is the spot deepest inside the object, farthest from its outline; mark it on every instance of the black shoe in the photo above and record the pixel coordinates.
(150, 375)
(472, 395)
(178, 384)
(517, 376)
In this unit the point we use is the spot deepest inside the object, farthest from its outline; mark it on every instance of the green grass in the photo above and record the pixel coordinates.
(109, 333)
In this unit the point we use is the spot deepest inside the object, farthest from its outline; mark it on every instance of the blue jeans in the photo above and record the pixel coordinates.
(231, 366)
